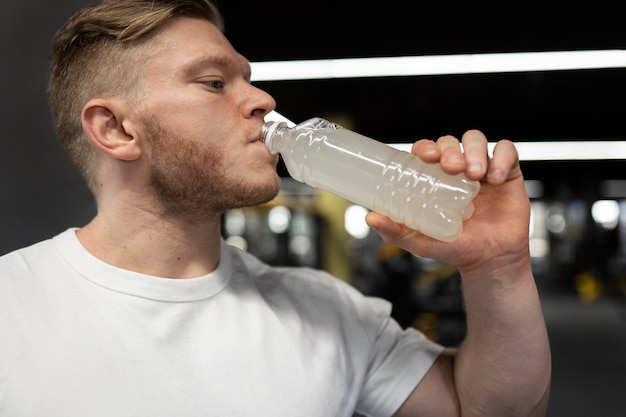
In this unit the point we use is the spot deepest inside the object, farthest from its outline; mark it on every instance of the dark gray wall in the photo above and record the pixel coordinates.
(42, 193)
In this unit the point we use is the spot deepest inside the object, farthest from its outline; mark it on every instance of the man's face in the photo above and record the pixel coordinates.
(201, 121)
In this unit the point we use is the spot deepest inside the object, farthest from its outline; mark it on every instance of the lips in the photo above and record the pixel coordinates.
(260, 137)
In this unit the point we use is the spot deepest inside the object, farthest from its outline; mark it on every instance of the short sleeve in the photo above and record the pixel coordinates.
(400, 359)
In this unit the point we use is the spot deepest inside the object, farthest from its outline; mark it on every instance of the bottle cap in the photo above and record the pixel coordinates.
(267, 132)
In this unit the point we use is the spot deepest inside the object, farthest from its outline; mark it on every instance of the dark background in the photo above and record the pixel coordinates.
(42, 193)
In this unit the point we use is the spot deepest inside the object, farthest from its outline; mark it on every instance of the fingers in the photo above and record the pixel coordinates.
(397, 234)
(385, 227)
(472, 159)
(504, 164)
(446, 151)
(453, 160)
(476, 154)
(426, 150)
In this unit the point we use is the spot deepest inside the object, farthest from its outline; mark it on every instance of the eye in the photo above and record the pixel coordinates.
(214, 84)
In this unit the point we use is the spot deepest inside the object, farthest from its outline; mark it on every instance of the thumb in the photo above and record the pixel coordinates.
(402, 236)
(389, 230)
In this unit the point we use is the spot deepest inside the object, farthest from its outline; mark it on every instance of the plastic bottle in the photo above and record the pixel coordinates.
(370, 173)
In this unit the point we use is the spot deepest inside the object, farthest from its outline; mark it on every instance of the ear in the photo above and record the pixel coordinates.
(105, 123)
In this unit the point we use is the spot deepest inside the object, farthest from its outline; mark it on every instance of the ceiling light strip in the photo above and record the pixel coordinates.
(559, 150)
(437, 65)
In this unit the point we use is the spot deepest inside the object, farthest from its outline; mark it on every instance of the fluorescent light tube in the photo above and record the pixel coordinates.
(437, 65)
(559, 150)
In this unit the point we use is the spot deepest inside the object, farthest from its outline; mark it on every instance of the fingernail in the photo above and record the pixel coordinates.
(474, 167)
(496, 176)
(429, 150)
(455, 159)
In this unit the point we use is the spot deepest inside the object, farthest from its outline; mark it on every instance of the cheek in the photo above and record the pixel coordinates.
(186, 113)
(210, 129)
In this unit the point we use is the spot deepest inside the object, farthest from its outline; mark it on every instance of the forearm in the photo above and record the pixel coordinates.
(503, 367)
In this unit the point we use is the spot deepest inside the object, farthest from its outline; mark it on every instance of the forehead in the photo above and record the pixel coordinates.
(192, 44)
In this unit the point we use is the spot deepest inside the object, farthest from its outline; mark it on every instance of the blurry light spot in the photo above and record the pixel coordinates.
(555, 222)
(589, 287)
(278, 219)
(300, 245)
(538, 216)
(605, 213)
(354, 220)
(539, 248)
(301, 223)
(235, 222)
(238, 242)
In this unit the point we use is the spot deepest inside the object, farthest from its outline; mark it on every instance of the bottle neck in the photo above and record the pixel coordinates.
(271, 134)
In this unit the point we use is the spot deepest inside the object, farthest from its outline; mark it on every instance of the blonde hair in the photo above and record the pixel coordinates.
(98, 53)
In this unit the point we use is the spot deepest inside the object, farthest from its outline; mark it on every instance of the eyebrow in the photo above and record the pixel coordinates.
(222, 62)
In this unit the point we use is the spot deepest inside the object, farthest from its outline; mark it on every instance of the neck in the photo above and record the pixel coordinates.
(151, 243)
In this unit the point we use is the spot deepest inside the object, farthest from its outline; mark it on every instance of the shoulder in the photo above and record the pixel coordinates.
(29, 267)
(302, 280)
(25, 259)
(311, 291)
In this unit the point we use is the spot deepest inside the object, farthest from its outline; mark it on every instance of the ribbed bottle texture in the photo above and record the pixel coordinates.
(367, 172)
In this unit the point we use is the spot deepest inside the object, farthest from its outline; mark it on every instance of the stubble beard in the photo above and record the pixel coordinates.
(193, 180)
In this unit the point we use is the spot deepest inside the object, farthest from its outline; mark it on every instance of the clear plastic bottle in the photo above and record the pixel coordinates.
(367, 172)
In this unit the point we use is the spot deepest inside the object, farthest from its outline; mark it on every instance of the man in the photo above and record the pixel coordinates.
(146, 311)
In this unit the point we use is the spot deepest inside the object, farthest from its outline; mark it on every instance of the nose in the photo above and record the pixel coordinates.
(260, 103)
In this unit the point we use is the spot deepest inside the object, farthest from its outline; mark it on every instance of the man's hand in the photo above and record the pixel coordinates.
(498, 229)
(502, 368)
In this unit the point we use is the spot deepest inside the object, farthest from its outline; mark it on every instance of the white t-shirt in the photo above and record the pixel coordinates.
(82, 338)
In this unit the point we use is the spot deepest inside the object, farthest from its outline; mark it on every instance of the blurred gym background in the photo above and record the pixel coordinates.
(578, 226)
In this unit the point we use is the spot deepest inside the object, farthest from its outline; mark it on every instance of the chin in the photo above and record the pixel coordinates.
(258, 193)
(268, 193)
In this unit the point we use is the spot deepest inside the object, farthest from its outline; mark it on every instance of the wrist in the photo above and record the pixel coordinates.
(501, 271)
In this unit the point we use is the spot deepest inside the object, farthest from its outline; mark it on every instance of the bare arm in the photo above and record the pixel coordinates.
(503, 366)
